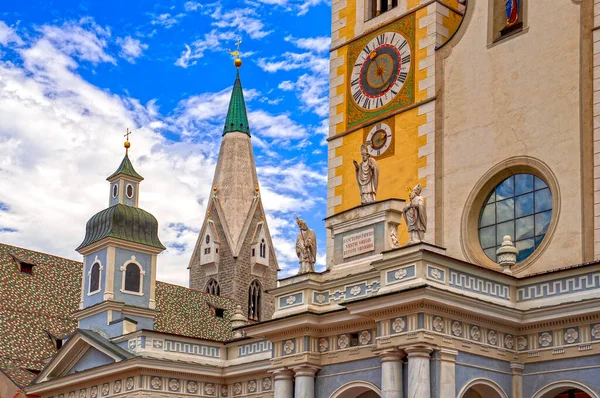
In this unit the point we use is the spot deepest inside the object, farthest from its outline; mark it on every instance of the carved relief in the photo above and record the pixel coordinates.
(237, 388)
(320, 298)
(456, 328)
(323, 344)
(521, 343)
(398, 325)
(192, 387)
(365, 338)
(105, 389)
(252, 386)
(209, 388)
(492, 337)
(289, 346)
(509, 341)
(436, 274)
(267, 383)
(82, 393)
(400, 274)
(173, 384)
(596, 331)
(438, 324)
(343, 341)
(158, 344)
(130, 383)
(475, 333)
(571, 335)
(224, 390)
(117, 387)
(94, 391)
(545, 339)
(156, 383)
(355, 291)
(290, 300)
(72, 394)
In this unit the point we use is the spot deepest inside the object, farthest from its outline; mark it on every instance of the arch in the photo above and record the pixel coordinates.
(485, 387)
(356, 389)
(132, 277)
(263, 248)
(553, 389)
(212, 287)
(94, 275)
(254, 300)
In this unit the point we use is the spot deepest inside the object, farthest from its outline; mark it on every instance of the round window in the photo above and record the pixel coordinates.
(115, 190)
(129, 191)
(521, 207)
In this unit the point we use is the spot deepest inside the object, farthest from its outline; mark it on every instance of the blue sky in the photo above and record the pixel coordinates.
(75, 74)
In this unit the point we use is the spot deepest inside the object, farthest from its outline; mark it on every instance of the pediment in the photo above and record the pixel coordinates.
(85, 350)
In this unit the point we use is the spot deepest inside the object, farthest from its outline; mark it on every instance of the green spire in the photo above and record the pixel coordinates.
(126, 168)
(237, 119)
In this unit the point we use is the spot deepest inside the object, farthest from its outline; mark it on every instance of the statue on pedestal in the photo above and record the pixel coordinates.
(367, 176)
(415, 215)
(306, 247)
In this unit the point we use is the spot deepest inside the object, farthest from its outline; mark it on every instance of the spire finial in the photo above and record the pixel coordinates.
(127, 143)
(236, 54)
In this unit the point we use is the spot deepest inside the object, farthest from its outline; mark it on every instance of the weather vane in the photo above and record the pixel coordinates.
(236, 53)
(127, 144)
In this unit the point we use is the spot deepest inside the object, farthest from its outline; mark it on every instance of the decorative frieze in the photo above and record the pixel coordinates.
(559, 287)
(476, 284)
(401, 274)
(192, 349)
(258, 347)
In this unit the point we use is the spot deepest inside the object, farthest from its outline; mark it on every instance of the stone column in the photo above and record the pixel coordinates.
(284, 383)
(391, 374)
(447, 372)
(517, 379)
(419, 383)
(305, 381)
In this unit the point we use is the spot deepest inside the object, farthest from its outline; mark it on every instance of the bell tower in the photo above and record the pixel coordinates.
(234, 255)
(383, 96)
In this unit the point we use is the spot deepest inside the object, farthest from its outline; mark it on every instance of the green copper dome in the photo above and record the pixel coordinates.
(237, 119)
(123, 222)
(126, 168)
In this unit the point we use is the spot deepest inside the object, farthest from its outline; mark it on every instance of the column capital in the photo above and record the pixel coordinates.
(282, 374)
(306, 370)
(417, 351)
(391, 355)
(517, 367)
(448, 354)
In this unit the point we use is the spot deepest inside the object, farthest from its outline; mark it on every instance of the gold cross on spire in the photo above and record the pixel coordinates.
(236, 53)
(127, 144)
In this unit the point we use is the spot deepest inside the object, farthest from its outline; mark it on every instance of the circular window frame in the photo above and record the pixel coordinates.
(471, 246)
(115, 190)
(132, 191)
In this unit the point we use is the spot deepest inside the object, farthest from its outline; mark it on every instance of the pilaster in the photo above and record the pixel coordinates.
(305, 381)
(419, 379)
(284, 383)
(517, 379)
(447, 373)
(391, 374)
(596, 115)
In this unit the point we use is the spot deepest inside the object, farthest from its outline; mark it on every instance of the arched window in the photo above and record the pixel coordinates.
(95, 278)
(133, 278)
(212, 287)
(263, 248)
(254, 299)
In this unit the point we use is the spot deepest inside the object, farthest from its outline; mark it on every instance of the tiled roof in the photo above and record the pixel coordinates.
(187, 312)
(33, 306)
(237, 119)
(126, 168)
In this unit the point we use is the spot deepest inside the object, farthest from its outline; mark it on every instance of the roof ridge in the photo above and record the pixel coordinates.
(39, 252)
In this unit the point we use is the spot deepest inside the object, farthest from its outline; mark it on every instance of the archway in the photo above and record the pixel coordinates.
(357, 389)
(565, 389)
(482, 388)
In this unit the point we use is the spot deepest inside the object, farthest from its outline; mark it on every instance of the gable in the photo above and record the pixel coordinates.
(92, 358)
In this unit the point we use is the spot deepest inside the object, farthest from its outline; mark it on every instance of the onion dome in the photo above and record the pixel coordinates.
(123, 222)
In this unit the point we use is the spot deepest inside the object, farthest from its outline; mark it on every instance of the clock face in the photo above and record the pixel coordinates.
(380, 71)
(379, 139)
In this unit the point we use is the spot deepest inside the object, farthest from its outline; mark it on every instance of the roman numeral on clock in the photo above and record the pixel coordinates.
(355, 81)
(402, 77)
(357, 97)
(406, 59)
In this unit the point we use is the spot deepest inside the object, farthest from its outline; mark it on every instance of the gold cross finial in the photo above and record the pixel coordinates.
(127, 144)
(236, 53)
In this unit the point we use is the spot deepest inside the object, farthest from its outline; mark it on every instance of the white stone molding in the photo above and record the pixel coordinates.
(101, 268)
(355, 388)
(419, 383)
(489, 386)
(557, 387)
(123, 270)
(284, 383)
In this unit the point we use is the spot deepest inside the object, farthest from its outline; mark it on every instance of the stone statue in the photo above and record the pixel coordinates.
(415, 216)
(306, 247)
(367, 175)
(394, 235)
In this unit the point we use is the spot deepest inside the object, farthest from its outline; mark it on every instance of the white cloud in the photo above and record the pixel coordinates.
(8, 35)
(167, 20)
(318, 44)
(210, 42)
(292, 61)
(242, 20)
(299, 7)
(83, 40)
(131, 48)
